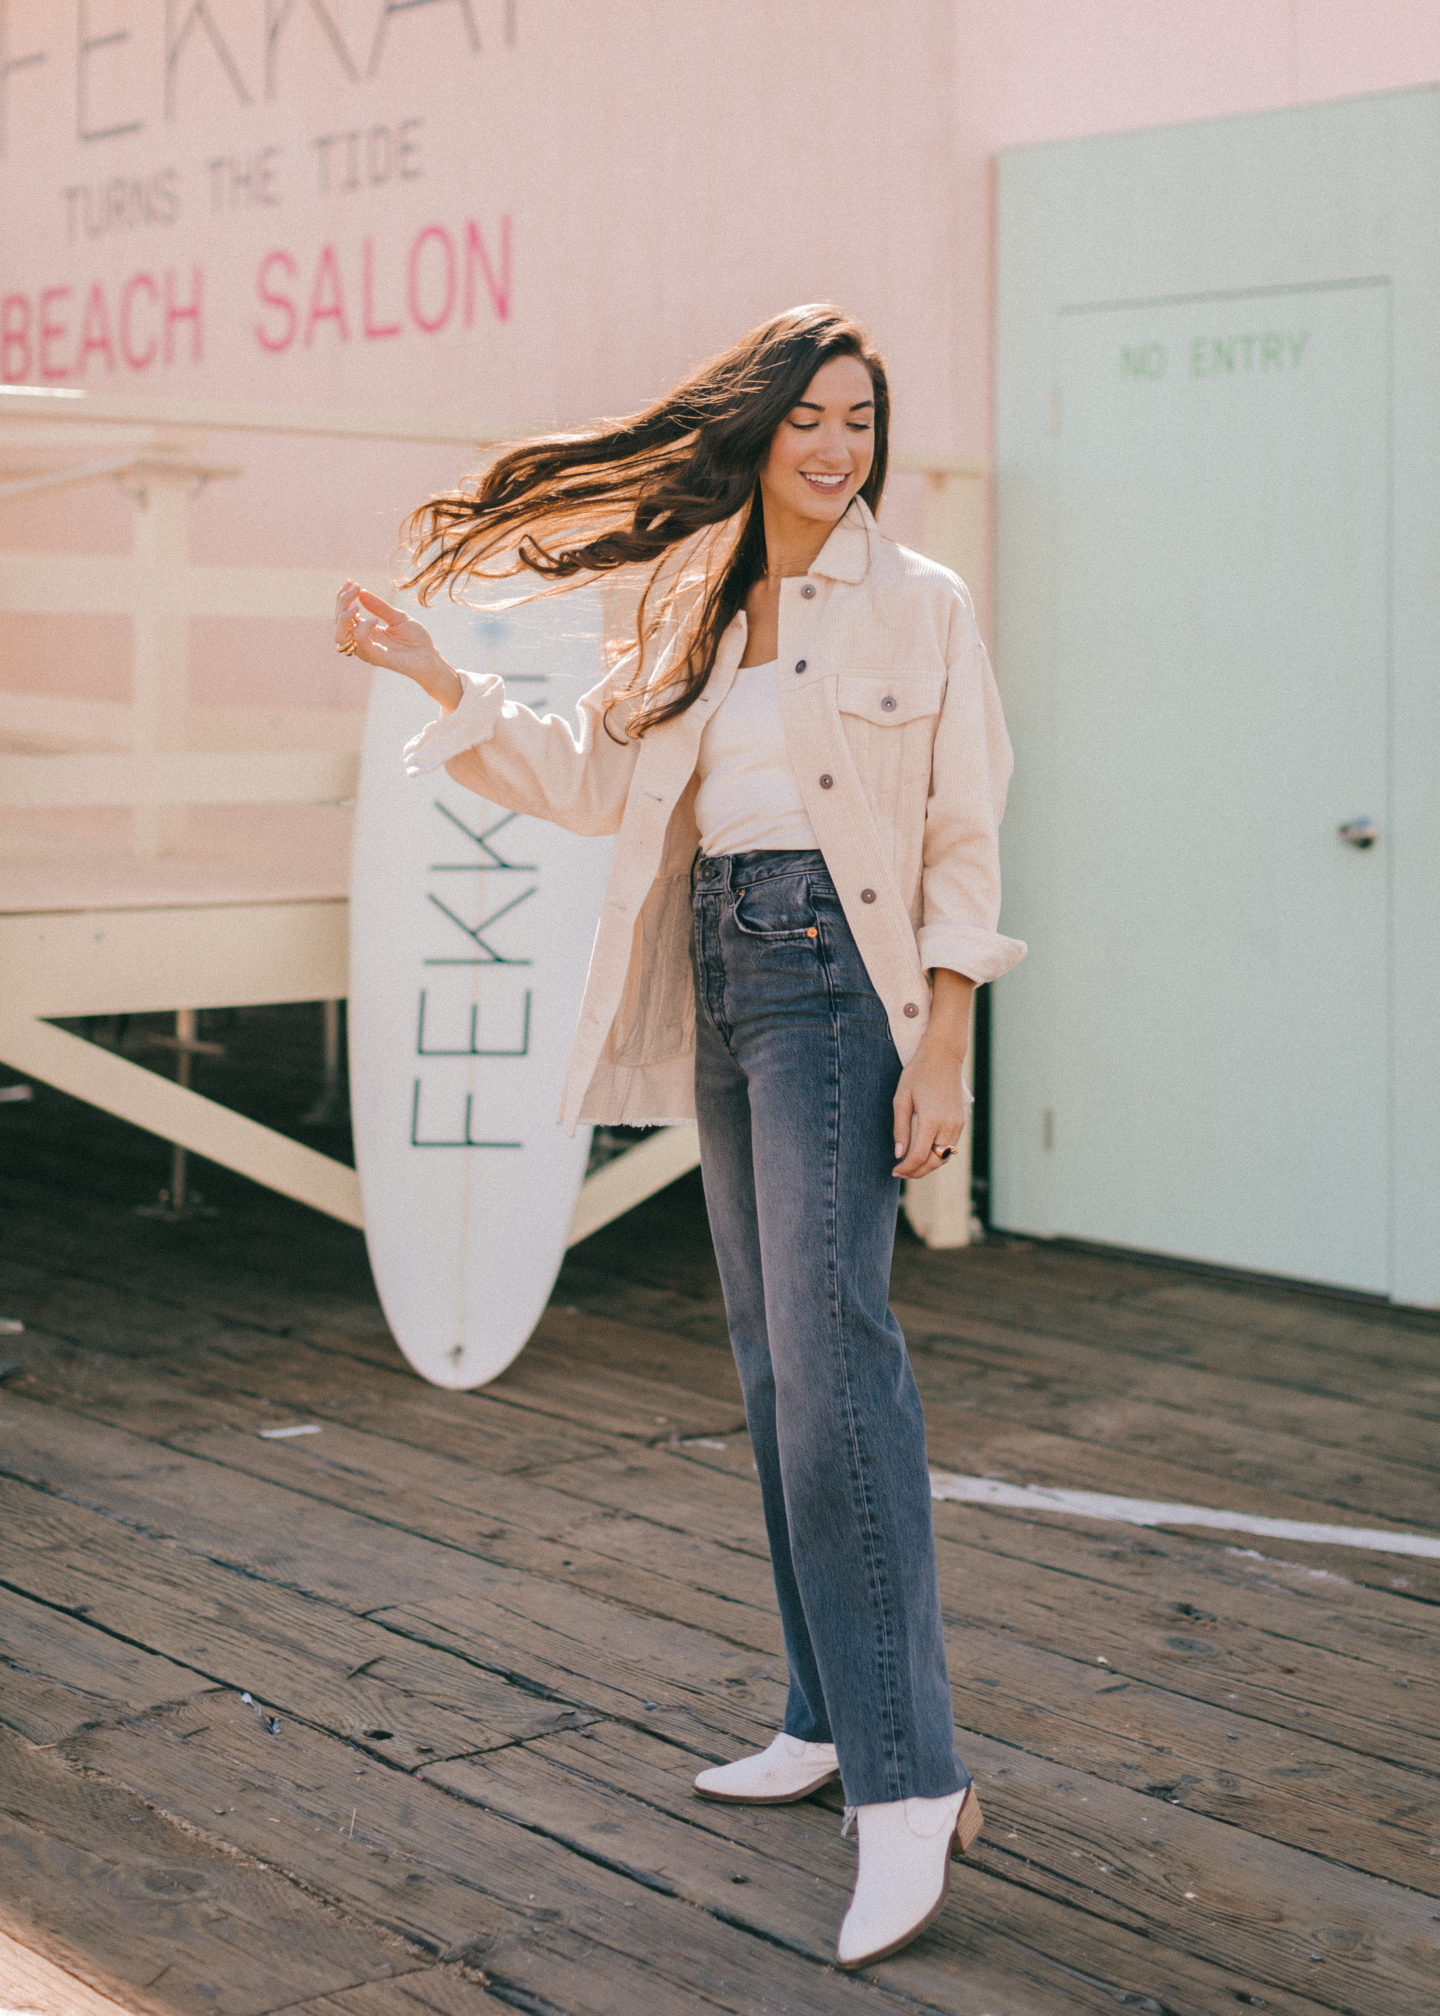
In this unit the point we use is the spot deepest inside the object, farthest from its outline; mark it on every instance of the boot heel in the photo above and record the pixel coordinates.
(968, 1823)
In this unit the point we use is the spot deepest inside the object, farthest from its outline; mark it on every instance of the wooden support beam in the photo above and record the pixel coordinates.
(162, 1107)
(205, 1127)
(618, 1186)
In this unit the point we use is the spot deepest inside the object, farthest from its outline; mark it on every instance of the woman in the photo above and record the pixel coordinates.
(803, 754)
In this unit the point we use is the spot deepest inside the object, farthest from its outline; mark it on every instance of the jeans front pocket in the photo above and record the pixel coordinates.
(776, 907)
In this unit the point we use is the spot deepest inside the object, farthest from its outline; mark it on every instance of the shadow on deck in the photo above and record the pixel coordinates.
(490, 1637)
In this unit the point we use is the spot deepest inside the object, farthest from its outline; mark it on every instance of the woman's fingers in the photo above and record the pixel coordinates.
(371, 644)
(920, 1156)
(904, 1115)
(366, 624)
(359, 616)
(347, 613)
(914, 1134)
(931, 1144)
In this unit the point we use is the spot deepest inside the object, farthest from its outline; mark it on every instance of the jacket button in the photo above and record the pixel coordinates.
(808, 590)
(912, 1008)
(867, 895)
(826, 781)
(888, 703)
(801, 664)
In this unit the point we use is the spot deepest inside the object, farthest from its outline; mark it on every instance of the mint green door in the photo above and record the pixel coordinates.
(1218, 634)
(1220, 710)
(1217, 692)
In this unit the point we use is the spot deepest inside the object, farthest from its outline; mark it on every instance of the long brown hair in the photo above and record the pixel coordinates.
(672, 492)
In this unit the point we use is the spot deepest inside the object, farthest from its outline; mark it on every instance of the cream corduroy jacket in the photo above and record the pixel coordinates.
(894, 731)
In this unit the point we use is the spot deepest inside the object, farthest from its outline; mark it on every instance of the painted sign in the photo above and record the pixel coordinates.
(227, 181)
(512, 209)
(1254, 352)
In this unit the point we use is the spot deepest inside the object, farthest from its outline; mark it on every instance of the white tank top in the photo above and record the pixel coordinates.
(748, 797)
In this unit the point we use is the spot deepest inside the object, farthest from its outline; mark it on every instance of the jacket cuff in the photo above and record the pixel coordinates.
(452, 734)
(979, 955)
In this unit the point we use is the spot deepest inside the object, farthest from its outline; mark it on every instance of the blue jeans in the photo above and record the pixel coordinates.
(795, 1072)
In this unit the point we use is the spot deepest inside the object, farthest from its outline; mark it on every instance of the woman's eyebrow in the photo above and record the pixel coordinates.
(814, 405)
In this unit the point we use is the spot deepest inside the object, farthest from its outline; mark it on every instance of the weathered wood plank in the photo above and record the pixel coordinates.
(58, 1674)
(451, 1877)
(367, 1471)
(250, 1379)
(710, 1494)
(503, 1541)
(1047, 1376)
(38, 1986)
(1318, 1346)
(1153, 1855)
(1217, 1658)
(511, 1654)
(512, 1523)
(295, 1654)
(554, 1384)
(1386, 1812)
(436, 1868)
(1218, 1785)
(96, 1879)
(546, 1971)
(621, 1785)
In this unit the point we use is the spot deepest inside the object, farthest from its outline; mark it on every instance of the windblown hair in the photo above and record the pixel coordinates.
(668, 499)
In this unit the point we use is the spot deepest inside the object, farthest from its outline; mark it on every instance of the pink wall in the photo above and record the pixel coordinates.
(594, 197)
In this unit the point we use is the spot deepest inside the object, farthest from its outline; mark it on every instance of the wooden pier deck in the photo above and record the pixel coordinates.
(488, 1638)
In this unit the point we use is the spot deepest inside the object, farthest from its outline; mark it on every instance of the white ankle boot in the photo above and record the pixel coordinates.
(789, 1769)
(905, 1850)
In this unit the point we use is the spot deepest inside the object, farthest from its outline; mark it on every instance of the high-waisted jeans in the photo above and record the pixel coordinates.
(795, 1072)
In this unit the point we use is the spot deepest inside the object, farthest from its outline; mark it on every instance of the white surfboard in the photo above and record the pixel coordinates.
(470, 933)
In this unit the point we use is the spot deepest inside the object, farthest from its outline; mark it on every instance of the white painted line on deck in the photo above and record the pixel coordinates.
(284, 1434)
(944, 1484)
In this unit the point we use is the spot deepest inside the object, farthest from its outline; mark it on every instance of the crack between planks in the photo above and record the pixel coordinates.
(219, 1686)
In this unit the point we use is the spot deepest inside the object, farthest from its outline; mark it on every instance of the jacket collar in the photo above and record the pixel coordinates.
(845, 556)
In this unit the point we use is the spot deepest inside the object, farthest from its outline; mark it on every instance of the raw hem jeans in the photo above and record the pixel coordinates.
(795, 1072)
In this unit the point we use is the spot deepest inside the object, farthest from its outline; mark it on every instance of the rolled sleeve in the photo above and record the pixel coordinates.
(465, 727)
(970, 773)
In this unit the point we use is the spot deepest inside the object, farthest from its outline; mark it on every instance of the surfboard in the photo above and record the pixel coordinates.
(470, 933)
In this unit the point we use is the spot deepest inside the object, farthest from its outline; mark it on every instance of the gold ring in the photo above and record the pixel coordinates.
(944, 1153)
(347, 649)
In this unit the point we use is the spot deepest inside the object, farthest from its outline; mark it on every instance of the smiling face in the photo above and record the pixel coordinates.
(821, 452)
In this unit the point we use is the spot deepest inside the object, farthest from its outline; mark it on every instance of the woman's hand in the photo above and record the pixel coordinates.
(930, 1109)
(384, 635)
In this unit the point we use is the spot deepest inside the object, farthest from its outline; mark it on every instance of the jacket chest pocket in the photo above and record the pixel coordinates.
(889, 720)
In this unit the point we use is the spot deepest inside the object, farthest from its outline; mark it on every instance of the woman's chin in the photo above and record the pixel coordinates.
(825, 510)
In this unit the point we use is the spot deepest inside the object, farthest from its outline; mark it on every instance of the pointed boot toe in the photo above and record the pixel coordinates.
(789, 1769)
(904, 1874)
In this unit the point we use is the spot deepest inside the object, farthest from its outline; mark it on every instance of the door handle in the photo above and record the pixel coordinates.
(1358, 833)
